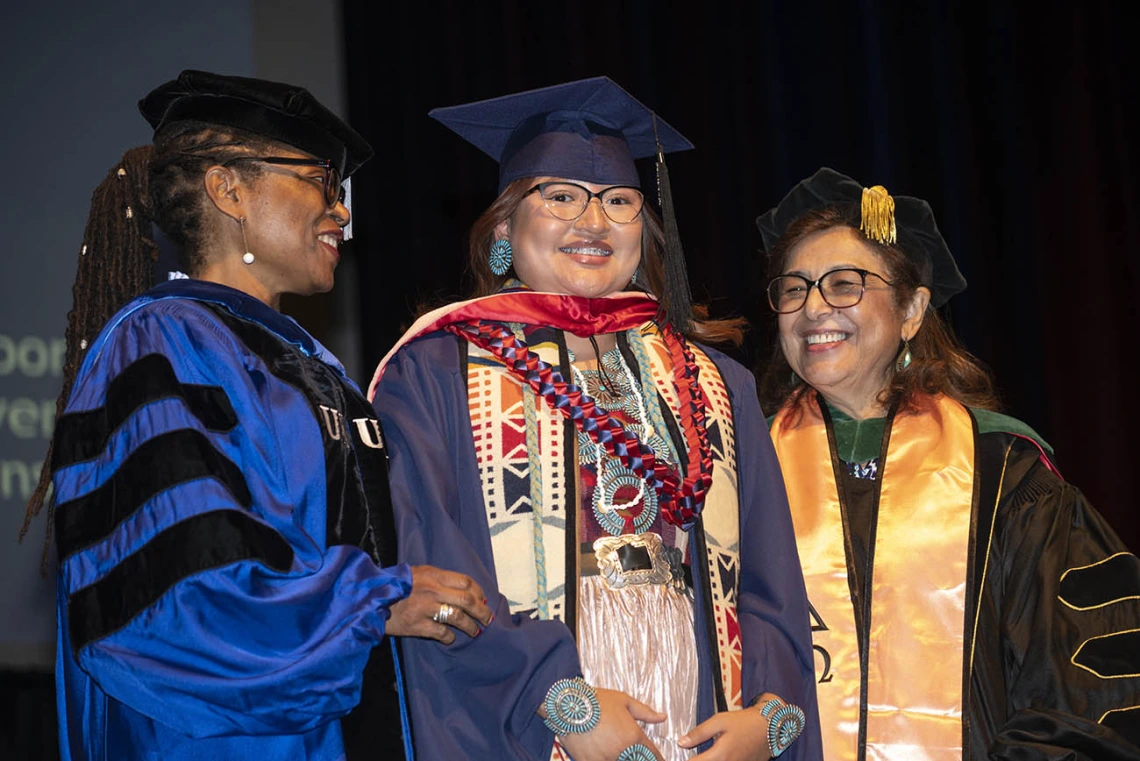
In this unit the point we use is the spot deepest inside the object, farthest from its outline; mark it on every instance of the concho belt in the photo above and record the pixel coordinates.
(638, 559)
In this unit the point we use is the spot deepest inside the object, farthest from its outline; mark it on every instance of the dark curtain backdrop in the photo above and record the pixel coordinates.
(1017, 122)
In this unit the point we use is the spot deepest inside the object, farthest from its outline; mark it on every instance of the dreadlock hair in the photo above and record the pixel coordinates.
(940, 364)
(116, 263)
(650, 276)
(160, 184)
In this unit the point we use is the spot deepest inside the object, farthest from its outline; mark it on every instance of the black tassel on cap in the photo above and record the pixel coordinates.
(676, 299)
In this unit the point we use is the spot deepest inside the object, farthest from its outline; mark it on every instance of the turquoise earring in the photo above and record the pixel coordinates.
(501, 256)
(904, 358)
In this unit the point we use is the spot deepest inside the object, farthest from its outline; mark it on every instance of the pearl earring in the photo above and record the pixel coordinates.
(247, 257)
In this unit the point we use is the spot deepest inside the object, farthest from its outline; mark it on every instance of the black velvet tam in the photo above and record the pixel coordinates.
(282, 112)
(918, 234)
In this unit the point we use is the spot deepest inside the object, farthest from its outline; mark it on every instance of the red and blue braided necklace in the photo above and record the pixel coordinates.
(679, 498)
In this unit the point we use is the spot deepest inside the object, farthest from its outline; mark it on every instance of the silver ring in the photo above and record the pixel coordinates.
(444, 614)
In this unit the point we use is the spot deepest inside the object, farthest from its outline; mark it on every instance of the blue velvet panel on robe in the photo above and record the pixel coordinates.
(216, 598)
(478, 697)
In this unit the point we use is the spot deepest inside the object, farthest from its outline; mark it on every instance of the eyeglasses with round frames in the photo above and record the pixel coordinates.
(330, 184)
(568, 201)
(840, 288)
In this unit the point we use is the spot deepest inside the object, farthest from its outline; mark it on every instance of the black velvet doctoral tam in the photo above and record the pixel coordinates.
(282, 112)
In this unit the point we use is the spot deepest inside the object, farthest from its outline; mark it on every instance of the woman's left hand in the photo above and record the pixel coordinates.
(739, 736)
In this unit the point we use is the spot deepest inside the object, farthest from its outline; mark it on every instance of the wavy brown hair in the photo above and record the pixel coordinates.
(650, 274)
(940, 364)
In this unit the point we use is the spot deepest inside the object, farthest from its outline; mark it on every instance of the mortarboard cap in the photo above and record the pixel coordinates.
(904, 220)
(282, 112)
(590, 130)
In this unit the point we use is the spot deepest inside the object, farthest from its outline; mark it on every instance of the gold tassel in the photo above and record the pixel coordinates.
(878, 221)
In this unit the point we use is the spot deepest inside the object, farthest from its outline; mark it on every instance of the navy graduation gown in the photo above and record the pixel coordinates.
(477, 698)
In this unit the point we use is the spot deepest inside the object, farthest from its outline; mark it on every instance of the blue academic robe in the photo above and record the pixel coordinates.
(222, 524)
(477, 697)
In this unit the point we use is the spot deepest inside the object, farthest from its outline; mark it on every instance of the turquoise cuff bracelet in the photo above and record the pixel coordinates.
(637, 752)
(571, 707)
(785, 723)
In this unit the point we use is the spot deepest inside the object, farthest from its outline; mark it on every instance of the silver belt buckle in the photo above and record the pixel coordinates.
(638, 559)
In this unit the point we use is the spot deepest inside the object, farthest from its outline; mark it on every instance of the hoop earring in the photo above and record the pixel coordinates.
(905, 357)
(501, 256)
(247, 257)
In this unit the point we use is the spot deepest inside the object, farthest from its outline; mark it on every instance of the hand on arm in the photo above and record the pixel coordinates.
(432, 588)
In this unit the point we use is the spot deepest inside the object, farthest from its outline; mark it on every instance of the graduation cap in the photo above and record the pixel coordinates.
(590, 130)
(282, 112)
(895, 220)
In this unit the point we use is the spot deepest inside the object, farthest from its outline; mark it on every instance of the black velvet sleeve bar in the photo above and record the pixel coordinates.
(1052, 680)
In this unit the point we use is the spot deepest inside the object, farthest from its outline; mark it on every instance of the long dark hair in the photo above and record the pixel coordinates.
(940, 364)
(650, 277)
(160, 184)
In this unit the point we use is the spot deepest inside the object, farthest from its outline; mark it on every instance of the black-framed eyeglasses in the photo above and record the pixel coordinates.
(330, 184)
(840, 288)
(568, 200)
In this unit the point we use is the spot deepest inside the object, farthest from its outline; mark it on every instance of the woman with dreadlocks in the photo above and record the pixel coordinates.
(225, 536)
(562, 438)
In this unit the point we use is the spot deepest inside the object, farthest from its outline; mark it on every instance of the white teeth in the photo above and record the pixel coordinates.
(826, 338)
(332, 240)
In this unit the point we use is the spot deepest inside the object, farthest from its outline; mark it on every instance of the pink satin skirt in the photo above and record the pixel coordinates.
(639, 639)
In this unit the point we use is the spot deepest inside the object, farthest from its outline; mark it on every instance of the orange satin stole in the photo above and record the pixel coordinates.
(920, 555)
